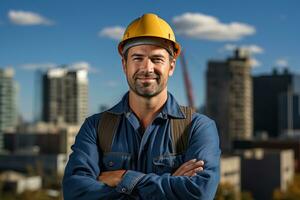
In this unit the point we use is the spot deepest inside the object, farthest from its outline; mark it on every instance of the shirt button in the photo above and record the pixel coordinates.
(124, 189)
(111, 163)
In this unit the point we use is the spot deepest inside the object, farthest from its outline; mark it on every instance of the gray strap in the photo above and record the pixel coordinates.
(180, 129)
(106, 130)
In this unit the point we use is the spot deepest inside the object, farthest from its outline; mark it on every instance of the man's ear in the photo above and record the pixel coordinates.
(172, 67)
(124, 64)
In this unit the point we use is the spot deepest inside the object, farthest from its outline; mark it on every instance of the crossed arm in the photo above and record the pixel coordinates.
(189, 168)
(192, 180)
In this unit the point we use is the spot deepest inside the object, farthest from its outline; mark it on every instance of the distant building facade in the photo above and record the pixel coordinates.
(18, 183)
(229, 97)
(272, 143)
(40, 148)
(65, 95)
(230, 172)
(276, 103)
(42, 138)
(263, 171)
(53, 164)
(8, 101)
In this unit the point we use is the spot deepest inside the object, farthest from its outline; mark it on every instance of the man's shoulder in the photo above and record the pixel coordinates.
(199, 119)
(93, 119)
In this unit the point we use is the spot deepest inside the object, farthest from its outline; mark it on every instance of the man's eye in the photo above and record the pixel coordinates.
(157, 60)
(137, 58)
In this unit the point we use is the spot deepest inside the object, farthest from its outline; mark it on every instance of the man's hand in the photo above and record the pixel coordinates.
(111, 178)
(189, 168)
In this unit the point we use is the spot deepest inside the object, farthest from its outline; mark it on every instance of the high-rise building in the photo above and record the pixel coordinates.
(276, 103)
(8, 101)
(289, 114)
(229, 97)
(65, 95)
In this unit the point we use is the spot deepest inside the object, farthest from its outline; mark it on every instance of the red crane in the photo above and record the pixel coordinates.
(187, 81)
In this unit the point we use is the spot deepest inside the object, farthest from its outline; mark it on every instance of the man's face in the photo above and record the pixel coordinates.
(147, 69)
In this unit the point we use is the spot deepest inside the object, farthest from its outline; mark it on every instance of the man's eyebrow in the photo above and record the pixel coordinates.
(158, 56)
(152, 56)
(137, 55)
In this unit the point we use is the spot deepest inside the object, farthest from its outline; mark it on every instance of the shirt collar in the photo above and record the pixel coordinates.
(122, 107)
(171, 108)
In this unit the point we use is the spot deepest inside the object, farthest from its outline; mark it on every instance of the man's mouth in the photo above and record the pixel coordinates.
(146, 78)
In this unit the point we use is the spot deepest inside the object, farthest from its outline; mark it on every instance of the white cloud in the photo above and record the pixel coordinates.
(38, 66)
(252, 49)
(80, 65)
(6, 66)
(44, 66)
(27, 18)
(200, 26)
(229, 47)
(281, 62)
(254, 62)
(83, 65)
(246, 50)
(115, 32)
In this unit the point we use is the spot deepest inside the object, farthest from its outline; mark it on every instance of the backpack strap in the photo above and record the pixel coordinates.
(107, 128)
(180, 129)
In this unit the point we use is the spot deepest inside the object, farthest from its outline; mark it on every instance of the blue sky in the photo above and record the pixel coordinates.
(47, 33)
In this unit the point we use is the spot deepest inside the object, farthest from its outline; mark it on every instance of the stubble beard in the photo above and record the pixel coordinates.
(146, 89)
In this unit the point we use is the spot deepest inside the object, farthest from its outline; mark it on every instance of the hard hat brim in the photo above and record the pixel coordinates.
(176, 46)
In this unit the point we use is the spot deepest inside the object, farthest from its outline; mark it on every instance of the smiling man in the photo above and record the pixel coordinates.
(146, 146)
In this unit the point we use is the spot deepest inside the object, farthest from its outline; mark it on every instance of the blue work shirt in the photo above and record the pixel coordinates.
(148, 158)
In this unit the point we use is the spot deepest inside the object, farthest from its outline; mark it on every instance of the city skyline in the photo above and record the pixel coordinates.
(39, 35)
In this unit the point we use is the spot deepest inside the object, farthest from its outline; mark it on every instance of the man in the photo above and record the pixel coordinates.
(142, 161)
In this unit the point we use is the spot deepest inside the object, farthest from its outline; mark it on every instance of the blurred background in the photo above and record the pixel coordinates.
(240, 65)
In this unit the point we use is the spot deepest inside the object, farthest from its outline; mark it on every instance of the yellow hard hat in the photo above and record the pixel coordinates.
(149, 25)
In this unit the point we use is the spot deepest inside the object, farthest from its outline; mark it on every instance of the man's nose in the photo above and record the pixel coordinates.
(149, 65)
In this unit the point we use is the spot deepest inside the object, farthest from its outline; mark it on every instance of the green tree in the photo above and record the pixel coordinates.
(226, 191)
(292, 192)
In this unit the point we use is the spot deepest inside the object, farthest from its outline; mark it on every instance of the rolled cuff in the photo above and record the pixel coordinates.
(129, 181)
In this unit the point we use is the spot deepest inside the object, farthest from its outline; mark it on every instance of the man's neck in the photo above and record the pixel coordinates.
(147, 108)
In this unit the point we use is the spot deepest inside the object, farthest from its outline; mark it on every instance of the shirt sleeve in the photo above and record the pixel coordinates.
(203, 145)
(82, 170)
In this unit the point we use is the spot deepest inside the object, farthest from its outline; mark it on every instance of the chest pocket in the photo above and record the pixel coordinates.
(167, 163)
(116, 161)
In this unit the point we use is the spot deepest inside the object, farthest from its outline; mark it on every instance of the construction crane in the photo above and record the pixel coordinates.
(187, 81)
